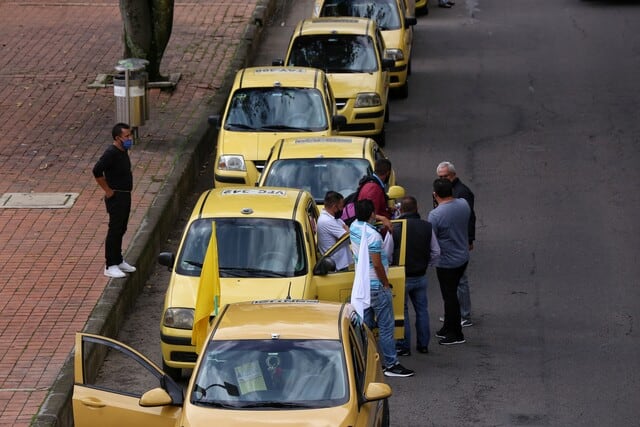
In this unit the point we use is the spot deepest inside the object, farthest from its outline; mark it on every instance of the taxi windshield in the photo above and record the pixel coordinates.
(247, 247)
(383, 12)
(335, 53)
(318, 175)
(271, 374)
(277, 108)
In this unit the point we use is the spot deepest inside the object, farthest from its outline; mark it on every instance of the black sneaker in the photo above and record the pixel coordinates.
(398, 370)
(403, 352)
(451, 340)
(423, 350)
(441, 333)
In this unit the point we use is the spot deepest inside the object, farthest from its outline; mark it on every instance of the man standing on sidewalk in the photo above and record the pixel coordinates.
(113, 174)
(450, 220)
(422, 250)
(461, 191)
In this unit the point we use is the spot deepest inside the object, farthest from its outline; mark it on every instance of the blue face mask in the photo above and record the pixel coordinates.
(127, 144)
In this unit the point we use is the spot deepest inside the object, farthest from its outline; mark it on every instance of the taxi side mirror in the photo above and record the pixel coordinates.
(387, 64)
(325, 266)
(167, 259)
(338, 122)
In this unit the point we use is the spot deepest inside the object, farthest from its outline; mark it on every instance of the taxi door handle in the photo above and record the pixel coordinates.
(93, 403)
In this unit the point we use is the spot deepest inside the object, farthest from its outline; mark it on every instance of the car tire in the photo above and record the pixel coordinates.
(174, 373)
(381, 138)
(403, 91)
(386, 416)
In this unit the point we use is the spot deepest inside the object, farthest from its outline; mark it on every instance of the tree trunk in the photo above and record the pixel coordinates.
(147, 29)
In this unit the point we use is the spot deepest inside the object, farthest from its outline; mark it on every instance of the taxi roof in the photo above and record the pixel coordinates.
(241, 202)
(336, 25)
(288, 319)
(330, 146)
(286, 76)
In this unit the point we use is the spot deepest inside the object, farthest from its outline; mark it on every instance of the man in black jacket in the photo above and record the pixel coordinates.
(422, 250)
(460, 191)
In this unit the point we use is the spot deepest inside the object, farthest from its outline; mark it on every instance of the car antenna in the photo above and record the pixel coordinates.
(289, 292)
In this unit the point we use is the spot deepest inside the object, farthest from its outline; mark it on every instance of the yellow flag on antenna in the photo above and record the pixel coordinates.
(208, 297)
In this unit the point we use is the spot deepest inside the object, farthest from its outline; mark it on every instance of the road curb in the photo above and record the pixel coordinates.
(119, 296)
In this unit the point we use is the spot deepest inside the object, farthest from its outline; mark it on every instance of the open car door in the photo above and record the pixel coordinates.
(102, 396)
(334, 285)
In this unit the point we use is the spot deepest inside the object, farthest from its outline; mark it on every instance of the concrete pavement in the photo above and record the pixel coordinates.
(53, 128)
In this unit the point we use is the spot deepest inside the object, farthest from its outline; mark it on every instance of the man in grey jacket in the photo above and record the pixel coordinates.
(461, 191)
(450, 221)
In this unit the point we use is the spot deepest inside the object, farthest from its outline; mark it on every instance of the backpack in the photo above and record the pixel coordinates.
(349, 210)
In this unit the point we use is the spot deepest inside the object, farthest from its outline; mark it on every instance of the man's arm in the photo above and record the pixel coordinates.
(376, 260)
(102, 182)
(434, 249)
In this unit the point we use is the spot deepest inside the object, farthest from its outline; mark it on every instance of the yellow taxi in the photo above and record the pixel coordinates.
(266, 104)
(351, 52)
(265, 363)
(393, 20)
(318, 165)
(267, 248)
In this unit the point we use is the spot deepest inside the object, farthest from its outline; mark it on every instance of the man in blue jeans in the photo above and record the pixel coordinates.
(380, 311)
(422, 250)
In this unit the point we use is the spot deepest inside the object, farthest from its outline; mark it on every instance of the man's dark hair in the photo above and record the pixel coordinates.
(409, 204)
(117, 129)
(382, 166)
(443, 187)
(332, 198)
(364, 209)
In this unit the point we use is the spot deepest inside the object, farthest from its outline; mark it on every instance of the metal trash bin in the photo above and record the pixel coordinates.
(130, 91)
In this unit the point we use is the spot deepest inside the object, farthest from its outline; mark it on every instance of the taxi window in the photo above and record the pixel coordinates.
(335, 53)
(248, 247)
(318, 175)
(277, 108)
(397, 241)
(384, 12)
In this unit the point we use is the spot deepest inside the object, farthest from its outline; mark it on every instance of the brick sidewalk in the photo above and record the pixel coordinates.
(53, 129)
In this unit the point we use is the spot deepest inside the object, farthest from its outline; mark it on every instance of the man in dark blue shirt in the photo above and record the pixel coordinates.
(113, 174)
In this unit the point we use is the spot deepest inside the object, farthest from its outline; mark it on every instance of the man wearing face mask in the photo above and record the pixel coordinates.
(113, 174)
(331, 228)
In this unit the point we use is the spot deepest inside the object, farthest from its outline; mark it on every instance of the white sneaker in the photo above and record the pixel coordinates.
(126, 267)
(114, 271)
(465, 323)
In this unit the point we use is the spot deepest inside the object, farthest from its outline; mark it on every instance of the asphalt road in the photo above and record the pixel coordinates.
(537, 105)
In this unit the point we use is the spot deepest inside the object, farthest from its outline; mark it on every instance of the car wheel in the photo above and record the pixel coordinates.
(381, 138)
(403, 91)
(386, 417)
(174, 373)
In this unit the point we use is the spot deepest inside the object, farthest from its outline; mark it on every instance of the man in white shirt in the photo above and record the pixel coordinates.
(331, 228)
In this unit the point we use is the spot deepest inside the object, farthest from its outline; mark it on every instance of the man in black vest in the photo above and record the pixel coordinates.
(422, 250)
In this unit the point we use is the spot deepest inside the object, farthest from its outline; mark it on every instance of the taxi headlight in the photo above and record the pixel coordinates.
(178, 318)
(395, 54)
(233, 162)
(367, 99)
